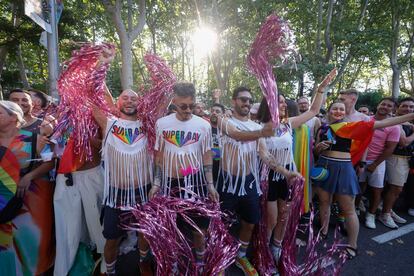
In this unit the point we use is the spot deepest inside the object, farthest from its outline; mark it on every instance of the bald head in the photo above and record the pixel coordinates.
(127, 102)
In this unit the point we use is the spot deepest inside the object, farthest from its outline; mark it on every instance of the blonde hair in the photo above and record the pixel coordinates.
(13, 109)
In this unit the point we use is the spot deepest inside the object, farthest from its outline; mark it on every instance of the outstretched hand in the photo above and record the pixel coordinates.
(327, 80)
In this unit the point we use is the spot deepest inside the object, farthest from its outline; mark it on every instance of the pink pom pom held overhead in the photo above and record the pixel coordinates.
(274, 42)
(79, 85)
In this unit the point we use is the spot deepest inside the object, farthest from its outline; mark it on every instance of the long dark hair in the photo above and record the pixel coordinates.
(263, 114)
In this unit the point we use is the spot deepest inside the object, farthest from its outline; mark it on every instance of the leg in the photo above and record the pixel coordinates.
(390, 197)
(282, 220)
(144, 252)
(111, 254)
(272, 212)
(375, 200)
(325, 200)
(347, 205)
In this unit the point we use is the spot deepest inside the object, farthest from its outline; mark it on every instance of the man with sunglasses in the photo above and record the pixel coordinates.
(239, 180)
(184, 162)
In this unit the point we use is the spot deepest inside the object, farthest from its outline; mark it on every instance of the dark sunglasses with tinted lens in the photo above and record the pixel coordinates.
(69, 179)
(246, 99)
(186, 106)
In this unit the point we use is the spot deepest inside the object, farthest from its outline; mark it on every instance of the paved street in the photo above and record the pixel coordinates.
(393, 256)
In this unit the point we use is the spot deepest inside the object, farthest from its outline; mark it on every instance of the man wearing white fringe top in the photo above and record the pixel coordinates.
(127, 175)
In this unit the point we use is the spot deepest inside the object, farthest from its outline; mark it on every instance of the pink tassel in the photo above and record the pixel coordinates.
(157, 220)
(153, 105)
(274, 41)
(82, 83)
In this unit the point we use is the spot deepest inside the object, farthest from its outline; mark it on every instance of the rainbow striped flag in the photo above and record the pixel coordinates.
(302, 147)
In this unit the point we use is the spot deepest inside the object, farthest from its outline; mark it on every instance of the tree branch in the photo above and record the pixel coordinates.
(141, 21)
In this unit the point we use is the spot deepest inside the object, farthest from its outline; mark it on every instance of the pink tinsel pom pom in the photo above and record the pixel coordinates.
(274, 41)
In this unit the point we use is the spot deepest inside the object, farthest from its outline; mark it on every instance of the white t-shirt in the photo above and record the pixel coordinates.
(281, 147)
(127, 166)
(183, 142)
(245, 151)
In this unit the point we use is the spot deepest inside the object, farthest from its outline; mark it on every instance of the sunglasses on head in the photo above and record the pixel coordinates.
(186, 106)
(69, 179)
(246, 99)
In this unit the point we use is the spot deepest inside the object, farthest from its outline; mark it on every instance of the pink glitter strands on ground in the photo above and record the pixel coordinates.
(274, 41)
(157, 220)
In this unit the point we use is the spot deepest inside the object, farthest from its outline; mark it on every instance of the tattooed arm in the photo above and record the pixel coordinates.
(156, 185)
(208, 173)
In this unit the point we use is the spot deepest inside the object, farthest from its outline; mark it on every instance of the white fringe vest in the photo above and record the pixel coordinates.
(246, 150)
(183, 144)
(128, 166)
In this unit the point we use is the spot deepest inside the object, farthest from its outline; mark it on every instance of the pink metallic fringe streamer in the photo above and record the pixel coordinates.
(273, 42)
(154, 103)
(313, 263)
(157, 220)
(79, 85)
(327, 263)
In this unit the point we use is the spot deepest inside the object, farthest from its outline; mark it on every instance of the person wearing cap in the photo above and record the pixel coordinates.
(26, 210)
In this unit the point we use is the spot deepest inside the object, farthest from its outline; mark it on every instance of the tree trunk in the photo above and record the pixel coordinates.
(127, 78)
(22, 68)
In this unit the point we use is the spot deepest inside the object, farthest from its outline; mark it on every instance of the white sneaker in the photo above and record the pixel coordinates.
(387, 220)
(361, 206)
(370, 221)
(397, 218)
(411, 212)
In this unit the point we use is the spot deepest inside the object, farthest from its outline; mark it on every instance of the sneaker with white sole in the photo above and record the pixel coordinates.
(370, 220)
(246, 267)
(411, 212)
(397, 218)
(387, 220)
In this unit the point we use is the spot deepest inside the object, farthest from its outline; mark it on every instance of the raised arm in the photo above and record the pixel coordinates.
(99, 117)
(316, 104)
(393, 121)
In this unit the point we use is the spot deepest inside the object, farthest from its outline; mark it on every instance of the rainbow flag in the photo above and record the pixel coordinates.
(302, 147)
(361, 134)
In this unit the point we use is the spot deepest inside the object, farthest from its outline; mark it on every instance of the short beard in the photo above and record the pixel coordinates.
(129, 113)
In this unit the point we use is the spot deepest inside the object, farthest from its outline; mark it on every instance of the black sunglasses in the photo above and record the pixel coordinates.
(69, 179)
(246, 99)
(187, 106)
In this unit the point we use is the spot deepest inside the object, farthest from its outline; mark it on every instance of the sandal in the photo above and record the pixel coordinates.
(351, 252)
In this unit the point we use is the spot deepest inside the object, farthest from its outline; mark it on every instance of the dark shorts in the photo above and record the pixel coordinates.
(201, 222)
(246, 206)
(278, 189)
(114, 218)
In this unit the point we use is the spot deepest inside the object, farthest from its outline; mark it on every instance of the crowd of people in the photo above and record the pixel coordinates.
(47, 208)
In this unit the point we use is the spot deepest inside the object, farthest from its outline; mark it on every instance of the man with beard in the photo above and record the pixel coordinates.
(381, 147)
(24, 100)
(126, 175)
(239, 180)
(398, 164)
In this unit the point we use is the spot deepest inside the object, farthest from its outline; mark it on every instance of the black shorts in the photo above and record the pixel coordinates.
(201, 222)
(115, 218)
(278, 189)
(246, 206)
